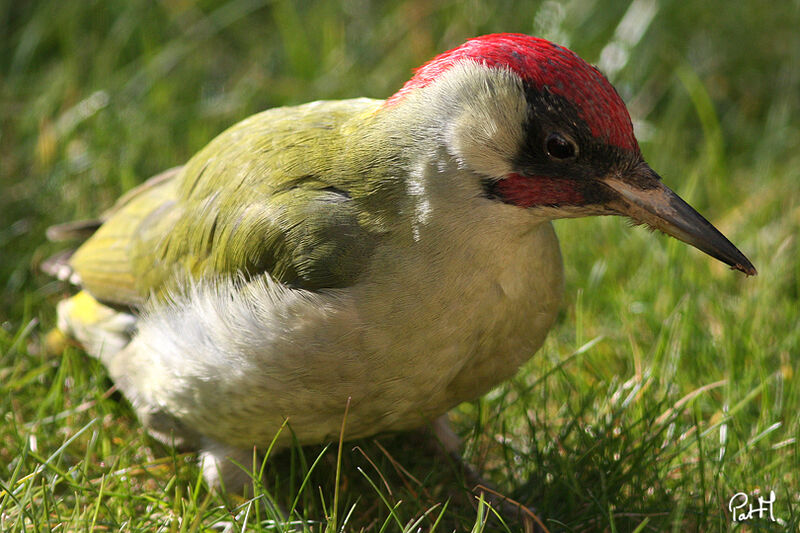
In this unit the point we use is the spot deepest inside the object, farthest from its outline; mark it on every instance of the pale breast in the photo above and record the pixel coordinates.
(453, 321)
(439, 322)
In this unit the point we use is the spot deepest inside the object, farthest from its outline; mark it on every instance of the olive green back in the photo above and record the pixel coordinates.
(271, 194)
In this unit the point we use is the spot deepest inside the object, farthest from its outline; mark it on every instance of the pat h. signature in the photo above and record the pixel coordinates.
(742, 512)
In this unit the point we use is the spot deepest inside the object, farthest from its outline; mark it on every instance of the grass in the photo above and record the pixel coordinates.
(666, 386)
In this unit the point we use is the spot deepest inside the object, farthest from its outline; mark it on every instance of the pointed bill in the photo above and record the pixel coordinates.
(647, 200)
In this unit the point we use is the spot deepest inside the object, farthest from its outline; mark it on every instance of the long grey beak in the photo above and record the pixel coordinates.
(647, 200)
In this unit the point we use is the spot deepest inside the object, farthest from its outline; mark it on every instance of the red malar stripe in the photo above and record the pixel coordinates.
(527, 191)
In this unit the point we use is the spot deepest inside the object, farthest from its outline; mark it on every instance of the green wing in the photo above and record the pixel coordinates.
(266, 195)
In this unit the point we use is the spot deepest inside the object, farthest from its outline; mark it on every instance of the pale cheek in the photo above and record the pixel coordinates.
(487, 133)
(480, 145)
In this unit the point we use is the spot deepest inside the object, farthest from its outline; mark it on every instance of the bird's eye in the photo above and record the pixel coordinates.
(559, 147)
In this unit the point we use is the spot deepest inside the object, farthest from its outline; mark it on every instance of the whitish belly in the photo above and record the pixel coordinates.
(433, 331)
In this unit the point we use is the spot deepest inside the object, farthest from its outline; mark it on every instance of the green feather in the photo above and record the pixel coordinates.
(282, 192)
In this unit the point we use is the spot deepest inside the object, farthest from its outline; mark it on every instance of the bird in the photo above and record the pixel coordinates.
(389, 258)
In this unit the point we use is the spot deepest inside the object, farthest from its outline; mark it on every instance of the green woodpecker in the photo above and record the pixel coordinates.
(397, 253)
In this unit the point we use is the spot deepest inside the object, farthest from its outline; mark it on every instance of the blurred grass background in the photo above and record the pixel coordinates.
(668, 384)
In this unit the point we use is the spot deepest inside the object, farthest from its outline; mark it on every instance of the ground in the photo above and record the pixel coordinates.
(666, 387)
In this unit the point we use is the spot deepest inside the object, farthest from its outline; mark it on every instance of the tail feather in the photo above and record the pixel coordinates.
(58, 266)
(79, 230)
(101, 330)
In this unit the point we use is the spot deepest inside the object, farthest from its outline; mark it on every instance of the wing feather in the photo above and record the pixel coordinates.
(267, 195)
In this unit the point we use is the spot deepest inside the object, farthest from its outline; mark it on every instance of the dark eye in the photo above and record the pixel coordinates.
(559, 147)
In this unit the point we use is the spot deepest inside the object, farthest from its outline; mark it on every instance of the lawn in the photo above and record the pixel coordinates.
(666, 387)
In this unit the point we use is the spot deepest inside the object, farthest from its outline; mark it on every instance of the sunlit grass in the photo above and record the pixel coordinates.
(667, 385)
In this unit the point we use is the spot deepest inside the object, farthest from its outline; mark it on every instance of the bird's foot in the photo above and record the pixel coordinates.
(227, 467)
(505, 507)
